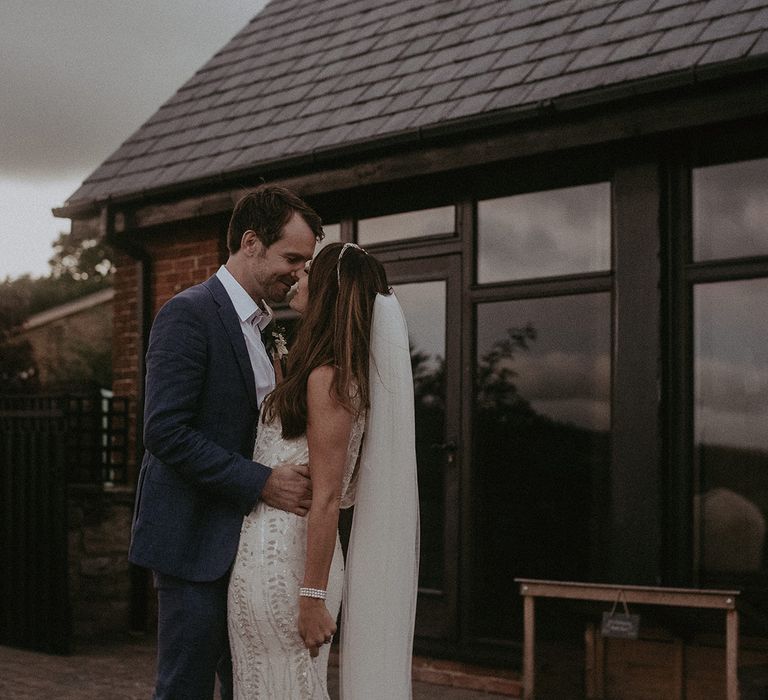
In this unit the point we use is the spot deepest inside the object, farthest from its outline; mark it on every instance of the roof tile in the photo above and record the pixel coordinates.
(680, 36)
(727, 26)
(470, 106)
(631, 8)
(476, 84)
(442, 91)
(759, 21)
(760, 46)
(554, 46)
(514, 37)
(510, 97)
(554, 65)
(307, 75)
(629, 28)
(401, 120)
(592, 17)
(553, 27)
(717, 8)
(515, 56)
(480, 64)
(639, 46)
(677, 15)
(729, 49)
(489, 27)
(554, 9)
(513, 75)
(591, 57)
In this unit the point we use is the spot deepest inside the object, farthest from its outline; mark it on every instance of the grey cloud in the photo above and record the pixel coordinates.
(79, 77)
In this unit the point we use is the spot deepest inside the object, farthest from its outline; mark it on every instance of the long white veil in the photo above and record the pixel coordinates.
(379, 603)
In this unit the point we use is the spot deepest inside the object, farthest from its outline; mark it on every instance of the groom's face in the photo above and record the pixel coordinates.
(274, 270)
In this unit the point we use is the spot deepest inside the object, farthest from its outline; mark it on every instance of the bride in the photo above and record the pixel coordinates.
(346, 409)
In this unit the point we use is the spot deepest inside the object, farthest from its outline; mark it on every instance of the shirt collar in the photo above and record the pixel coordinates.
(247, 310)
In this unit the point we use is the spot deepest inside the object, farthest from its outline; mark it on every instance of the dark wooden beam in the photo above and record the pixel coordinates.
(565, 125)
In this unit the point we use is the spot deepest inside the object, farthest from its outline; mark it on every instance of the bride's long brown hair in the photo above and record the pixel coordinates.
(335, 330)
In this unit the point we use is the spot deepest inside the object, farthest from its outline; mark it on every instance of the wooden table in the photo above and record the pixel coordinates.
(531, 589)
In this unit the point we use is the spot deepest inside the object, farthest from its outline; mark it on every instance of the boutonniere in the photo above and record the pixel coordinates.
(279, 344)
(274, 340)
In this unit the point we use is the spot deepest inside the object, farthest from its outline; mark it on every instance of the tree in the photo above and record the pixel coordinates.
(82, 257)
(81, 264)
(18, 371)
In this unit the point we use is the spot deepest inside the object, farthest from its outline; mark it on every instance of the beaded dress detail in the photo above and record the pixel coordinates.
(269, 659)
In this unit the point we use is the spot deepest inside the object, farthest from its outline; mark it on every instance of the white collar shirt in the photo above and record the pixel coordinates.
(253, 320)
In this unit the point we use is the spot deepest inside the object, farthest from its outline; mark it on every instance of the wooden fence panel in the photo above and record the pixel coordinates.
(34, 604)
(48, 443)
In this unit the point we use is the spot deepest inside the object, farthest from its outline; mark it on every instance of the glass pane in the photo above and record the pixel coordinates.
(540, 445)
(332, 235)
(412, 224)
(730, 419)
(424, 305)
(730, 210)
(543, 234)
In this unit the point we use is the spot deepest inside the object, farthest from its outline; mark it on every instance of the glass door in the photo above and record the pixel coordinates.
(428, 290)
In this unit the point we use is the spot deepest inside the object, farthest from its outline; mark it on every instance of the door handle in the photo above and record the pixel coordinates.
(449, 447)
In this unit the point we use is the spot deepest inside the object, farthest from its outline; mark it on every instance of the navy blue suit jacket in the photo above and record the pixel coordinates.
(197, 480)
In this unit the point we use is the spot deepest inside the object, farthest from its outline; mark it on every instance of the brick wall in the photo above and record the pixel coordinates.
(181, 255)
(185, 256)
(125, 346)
(65, 348)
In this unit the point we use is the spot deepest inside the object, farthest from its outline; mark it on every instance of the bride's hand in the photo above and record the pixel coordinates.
(316, 626)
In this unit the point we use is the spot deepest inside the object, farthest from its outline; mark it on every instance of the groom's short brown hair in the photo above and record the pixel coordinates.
(266, 211)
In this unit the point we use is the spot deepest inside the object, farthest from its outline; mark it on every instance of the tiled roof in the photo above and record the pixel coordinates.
(69, 308)
(306, 76)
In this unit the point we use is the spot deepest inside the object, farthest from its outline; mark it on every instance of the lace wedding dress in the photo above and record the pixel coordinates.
(269, 659)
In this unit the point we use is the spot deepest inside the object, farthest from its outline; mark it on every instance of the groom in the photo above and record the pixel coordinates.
(207, 372)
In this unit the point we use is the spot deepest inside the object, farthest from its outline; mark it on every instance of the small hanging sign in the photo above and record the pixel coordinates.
(620, 625)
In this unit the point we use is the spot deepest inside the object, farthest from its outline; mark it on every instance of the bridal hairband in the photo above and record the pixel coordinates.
(341, 253)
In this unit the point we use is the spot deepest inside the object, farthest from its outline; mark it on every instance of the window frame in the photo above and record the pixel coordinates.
(719, 147)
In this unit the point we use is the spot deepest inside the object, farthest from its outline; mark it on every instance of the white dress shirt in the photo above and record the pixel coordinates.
(253, 319)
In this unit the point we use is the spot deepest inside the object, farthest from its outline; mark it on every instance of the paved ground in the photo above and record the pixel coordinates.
(122, 670)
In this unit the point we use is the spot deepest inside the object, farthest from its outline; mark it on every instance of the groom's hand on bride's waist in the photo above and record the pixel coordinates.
(289, 488)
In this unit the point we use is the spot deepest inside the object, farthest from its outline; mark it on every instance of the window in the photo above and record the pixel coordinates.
(730, 369)
(730, 210)
(412, 224)
(424, 305)
(543, 234)
(541, 443)
(332, 235)
(730, 419)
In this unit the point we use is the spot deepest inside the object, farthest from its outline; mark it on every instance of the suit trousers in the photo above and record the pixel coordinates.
(192, 641)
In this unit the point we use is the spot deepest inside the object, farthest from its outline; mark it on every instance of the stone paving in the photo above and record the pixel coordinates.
(123, 669)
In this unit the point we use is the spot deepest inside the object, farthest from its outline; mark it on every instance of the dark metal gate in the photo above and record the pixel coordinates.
(46, 444)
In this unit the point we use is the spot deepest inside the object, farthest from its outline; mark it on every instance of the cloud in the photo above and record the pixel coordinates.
(27, 227)
(79, 77)
(571, 387)
(730, 206)
(540, 234)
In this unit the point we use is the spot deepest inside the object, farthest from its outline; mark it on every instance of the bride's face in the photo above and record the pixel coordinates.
(300, 296)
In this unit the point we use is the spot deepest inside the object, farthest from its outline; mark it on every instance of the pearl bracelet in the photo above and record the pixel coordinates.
(318, 593)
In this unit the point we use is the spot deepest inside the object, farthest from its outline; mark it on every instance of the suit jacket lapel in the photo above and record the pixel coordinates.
(231, 324)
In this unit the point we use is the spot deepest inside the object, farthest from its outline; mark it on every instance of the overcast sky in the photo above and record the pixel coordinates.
(77, 78)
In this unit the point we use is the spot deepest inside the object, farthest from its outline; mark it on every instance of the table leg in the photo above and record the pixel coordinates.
(732, 654)
(528, 645)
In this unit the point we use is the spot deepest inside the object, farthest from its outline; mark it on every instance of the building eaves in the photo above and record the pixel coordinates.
(349, 71)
